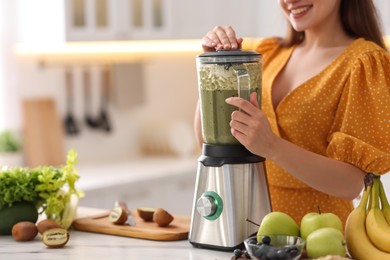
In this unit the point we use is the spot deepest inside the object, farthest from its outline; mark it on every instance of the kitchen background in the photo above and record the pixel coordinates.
(68, 63)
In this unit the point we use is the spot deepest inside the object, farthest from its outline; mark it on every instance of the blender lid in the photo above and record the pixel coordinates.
(229, 53)
(223, 56)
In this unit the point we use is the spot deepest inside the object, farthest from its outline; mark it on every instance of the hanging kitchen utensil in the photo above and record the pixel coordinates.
(89, 119)
(71, 126)
(105, 85)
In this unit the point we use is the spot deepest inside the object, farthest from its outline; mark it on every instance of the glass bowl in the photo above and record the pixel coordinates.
(280, 247)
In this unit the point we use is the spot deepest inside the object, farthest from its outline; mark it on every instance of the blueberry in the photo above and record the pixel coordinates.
(288, 252)
(292, 251)
(273, 254)
(282, 254)
(266, 240)
(261, 251)
(237, 253)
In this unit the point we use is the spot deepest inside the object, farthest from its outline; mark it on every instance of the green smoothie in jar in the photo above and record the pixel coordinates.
(217, 82)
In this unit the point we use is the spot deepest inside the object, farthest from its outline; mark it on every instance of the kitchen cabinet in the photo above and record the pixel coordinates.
(93, 20)
(193, 19)
(108, 20)
(154, 19)
(172, 19)
(90, 19)
(112, 20)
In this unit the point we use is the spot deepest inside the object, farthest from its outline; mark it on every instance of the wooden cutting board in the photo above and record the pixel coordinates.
(43, 133)
(177, 230)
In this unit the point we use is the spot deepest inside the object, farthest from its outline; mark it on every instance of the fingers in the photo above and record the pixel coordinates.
(253, 99)
(244, 129)
(221, 38)
(239, 121)
(227, 38)
(239, 136)
(244, 121)
(208, 44)
(250, 108)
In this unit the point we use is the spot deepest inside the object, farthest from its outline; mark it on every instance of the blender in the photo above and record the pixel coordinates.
(231, 184)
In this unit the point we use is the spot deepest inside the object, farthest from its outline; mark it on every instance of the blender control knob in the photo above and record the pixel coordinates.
(206, 206)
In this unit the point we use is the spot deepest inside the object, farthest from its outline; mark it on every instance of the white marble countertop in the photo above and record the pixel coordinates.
(87, 245)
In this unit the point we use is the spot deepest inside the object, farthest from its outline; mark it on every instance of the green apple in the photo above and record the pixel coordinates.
(313, 221)
(277, 223)
(325, 241)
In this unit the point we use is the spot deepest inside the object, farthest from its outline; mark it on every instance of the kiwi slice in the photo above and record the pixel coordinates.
(118, 215)
(146, 213)
(55, 237)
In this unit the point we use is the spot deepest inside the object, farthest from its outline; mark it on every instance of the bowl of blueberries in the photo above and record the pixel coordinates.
(275, 247)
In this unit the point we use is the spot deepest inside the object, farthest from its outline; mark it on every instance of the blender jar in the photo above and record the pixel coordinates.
(224, 74)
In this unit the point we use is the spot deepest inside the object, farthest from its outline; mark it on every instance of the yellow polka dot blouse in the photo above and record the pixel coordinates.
(343, 113)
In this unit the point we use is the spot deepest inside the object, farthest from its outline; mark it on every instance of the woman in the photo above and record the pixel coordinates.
(325, 115)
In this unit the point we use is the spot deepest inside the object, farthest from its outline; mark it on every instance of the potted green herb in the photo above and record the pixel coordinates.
(11, 153)
(25, 193)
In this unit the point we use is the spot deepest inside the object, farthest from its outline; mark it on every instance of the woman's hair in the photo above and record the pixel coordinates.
(359, 19)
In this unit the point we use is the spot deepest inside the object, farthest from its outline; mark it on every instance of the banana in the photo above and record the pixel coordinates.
(378, 230)
(384, 202)
(358, 244)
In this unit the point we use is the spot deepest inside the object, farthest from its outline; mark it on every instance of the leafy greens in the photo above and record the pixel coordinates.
(49, 188)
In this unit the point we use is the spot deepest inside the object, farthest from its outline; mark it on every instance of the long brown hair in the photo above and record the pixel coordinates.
(359, 19)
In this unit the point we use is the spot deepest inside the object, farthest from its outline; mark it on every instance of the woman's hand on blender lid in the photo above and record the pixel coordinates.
(221, 38)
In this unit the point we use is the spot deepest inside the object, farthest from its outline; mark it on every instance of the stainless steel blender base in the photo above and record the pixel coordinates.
(224, 198)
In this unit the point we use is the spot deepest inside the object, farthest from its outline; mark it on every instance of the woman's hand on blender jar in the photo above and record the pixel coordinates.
(221, 38)
(251, 127)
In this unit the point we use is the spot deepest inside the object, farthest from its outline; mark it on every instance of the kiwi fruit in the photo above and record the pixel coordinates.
(24, 231)
(162, 217)
(146, 213)
(55, 237)
(46, 224)
(118, 215)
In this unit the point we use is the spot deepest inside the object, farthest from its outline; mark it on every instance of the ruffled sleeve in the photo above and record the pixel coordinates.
(267, 48)
(267, 44)
(361, 131)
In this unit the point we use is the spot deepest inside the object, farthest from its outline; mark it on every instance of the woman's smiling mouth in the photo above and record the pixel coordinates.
(299, 11)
